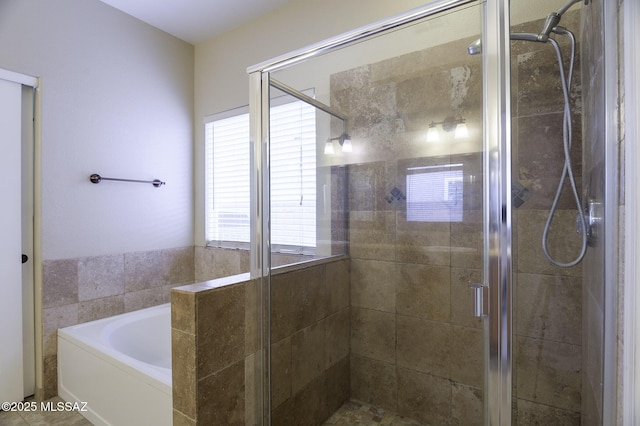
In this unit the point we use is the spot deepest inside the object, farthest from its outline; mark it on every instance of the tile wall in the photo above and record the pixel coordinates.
(412, 332)
(415, 347)
(548, 299)
(89, 288)
(309, 342)
(215, 336)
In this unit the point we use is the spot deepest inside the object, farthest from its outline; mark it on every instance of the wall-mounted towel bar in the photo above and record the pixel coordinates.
(96, 178)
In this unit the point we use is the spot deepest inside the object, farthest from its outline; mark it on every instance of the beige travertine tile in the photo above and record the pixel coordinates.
(282, 259)
(462, 296)
(423, 242)
(592, 350)
(549, 307)
(338, 283)
(372, 235)
(144, 270)
(541, 160)
(467, 356)
(166, 292)
(252, 391)
(310, 404)
(536, 95)
(369, 184)
(252, 325)
(183, 311)
(355, 78)
(178, 265)
(374, 382)
(425, 96)
(220, 338)
(60, 282)
(184, 375)
(221, 397)
(530, 414)
(50, 376)
(100, 276)
(308, 358)
(424, 397)
(299, 299)
(466, 405)
(337, 337)
(179, 419)
(282, 310)
(373, 284)
(284, 414)
(373, 334)
(53, 319)
(424, 346)
(564, 243)
(338, 386)
(467, 241)
(424, 291)
(281, 371)
(91, 310)
(548, 373)
(212, 263)
(141, 299)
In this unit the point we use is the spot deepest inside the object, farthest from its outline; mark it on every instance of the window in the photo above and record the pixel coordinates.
(434, 193)
(293, 177)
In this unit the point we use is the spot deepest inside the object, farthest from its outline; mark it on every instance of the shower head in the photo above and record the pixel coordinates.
(475, 47)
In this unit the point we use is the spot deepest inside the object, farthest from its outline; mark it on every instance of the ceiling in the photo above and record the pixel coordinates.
(195, 21)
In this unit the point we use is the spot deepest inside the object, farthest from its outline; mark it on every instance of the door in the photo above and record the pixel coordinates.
(412, 188)
(11, 351)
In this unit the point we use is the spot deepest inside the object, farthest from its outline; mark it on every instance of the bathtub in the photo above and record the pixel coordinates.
(120, 366)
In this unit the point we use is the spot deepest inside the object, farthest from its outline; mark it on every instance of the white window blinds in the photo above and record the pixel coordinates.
(293, 178)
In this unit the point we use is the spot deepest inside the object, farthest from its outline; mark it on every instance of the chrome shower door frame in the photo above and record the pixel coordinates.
(497, 229)
(497, 213)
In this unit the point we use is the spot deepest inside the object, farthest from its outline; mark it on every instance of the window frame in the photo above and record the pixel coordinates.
(209, 196)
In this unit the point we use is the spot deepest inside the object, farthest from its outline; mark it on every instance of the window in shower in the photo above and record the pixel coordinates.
(435, 193)
(293, 177)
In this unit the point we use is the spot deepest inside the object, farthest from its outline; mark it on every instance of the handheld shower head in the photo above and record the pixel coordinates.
(553, 19)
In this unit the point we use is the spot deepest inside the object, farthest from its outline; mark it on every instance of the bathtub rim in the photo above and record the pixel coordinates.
(156, 376)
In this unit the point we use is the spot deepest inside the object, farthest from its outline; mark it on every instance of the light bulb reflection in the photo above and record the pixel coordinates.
(328, 148)
(433, 135)
(461, 131)
(347, 146)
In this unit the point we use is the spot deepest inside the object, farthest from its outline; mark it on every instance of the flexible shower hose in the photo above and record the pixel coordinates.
(566, 170)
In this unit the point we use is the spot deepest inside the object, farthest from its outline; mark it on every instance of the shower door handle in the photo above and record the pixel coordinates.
(479, 300)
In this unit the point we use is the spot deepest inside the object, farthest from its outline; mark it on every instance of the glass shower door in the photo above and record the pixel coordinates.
(377, 207)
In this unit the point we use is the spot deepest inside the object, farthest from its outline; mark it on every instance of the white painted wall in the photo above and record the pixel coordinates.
(117, 99)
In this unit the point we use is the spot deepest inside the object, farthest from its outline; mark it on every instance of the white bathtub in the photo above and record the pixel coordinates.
(120, 366)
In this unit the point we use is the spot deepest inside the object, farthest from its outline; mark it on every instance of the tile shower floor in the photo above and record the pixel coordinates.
(362, 414)
(43, 418)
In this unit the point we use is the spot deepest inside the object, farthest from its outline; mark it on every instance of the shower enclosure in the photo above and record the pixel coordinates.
(401, 192)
